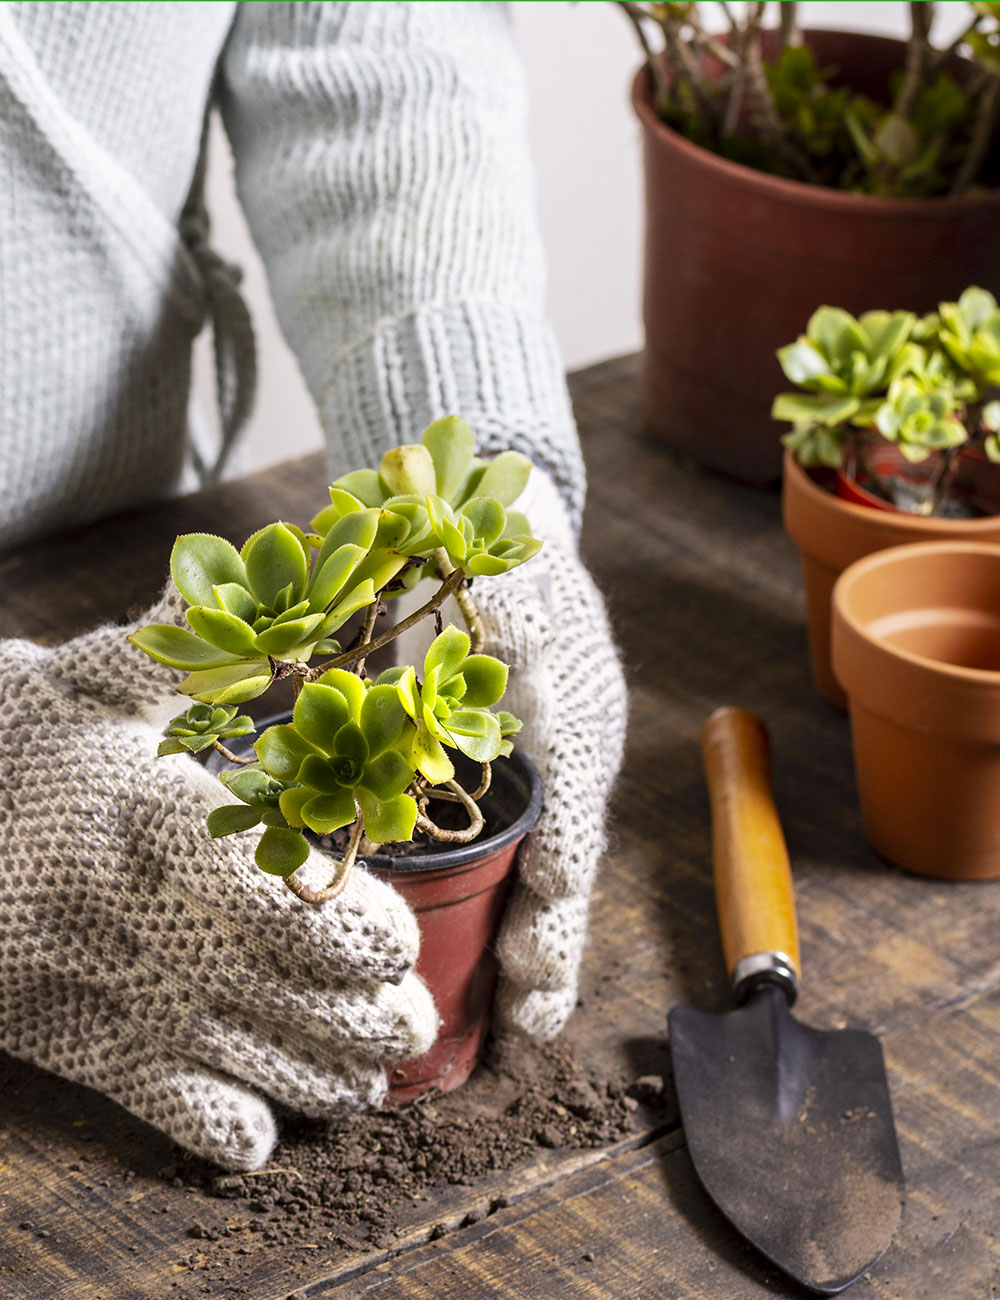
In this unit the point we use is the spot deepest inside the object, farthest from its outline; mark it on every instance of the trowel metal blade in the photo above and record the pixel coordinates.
(791, 1132)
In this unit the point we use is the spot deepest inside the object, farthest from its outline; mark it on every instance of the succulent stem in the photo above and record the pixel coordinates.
(340, 875)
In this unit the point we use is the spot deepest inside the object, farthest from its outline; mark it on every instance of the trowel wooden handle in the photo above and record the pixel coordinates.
(753, 877)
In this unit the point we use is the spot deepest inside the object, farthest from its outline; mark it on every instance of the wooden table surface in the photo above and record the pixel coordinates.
(705, 596)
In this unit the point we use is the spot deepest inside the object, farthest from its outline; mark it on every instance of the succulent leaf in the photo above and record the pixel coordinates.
(201, 561)
(281, 852)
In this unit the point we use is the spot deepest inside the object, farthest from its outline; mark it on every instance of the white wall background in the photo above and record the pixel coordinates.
(580, 59)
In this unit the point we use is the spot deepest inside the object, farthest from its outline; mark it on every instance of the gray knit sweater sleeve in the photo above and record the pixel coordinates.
(382, 161)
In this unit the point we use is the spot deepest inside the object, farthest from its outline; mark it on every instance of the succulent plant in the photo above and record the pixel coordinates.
(775, 109)
(251, 607)
(970, 334)
(357, 756)
(452, 499)
(918, 421)
(344, 751)
(450, 707)
(202, 727)
(919, 383)
(845, 365)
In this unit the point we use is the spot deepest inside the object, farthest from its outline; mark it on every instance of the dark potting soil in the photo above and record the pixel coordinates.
(447, 815)
(354, 1185)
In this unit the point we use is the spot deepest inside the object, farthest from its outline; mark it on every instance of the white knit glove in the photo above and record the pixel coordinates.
(161, 967)
(547, 620)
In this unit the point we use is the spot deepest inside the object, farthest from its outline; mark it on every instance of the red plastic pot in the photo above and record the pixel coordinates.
(459, 897)
(736, 261)
(976, 479)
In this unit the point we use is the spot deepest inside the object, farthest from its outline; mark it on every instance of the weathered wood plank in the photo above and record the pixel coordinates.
(704, 592)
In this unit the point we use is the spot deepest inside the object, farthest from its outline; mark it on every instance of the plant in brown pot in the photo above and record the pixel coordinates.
(400, 770)
(786, 168)
(893, 440)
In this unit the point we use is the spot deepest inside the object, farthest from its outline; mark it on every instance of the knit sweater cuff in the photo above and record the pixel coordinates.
(497, 367)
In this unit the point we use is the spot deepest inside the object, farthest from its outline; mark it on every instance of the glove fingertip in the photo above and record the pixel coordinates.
(417, 1019)
(537, 1013)
(246, 1138)
(381, 926)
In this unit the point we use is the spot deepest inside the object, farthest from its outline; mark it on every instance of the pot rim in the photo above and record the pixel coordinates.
(463, 855)
(834, 532)
(914, 552)
(469, 854)
(803, 192)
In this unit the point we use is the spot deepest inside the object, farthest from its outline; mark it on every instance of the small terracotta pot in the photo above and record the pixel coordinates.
(736, 261)
(459, 897)
(916, 645)
(831, 534)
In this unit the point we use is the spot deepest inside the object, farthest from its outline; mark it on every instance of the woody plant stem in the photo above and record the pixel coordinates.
(451, 584)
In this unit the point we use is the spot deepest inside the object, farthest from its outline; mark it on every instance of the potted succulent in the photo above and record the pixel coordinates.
(893, 440)
(787, 168)
(399, 771)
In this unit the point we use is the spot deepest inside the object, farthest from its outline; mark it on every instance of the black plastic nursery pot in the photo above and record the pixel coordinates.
(458, 895)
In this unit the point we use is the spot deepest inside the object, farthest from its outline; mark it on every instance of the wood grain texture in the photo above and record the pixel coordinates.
(704, 592)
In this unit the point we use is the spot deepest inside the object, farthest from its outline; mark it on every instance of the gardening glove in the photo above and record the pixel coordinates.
(547, 620)
(161, 967)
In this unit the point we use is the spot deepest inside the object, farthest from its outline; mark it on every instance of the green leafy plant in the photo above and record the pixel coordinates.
(769, 105)
(362, 757)
(920, 383)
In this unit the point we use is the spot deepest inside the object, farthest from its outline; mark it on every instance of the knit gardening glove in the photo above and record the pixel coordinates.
(161, 967)
(547, 620)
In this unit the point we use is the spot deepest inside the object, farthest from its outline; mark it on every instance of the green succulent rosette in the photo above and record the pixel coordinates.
(451, 499)
(344, 752)
(201, 727)
(274, 600)
(280, 850)
(919, 422)
(969, 331)
(845, 365)
(451, 706)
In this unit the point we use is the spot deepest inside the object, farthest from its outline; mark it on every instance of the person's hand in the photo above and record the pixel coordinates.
(547, 620)
(161, 967)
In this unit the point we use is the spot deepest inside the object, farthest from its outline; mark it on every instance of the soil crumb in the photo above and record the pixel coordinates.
(355, 1184)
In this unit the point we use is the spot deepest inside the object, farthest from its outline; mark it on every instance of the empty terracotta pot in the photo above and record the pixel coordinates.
(736, 261)
(916, 646)
(831, 534)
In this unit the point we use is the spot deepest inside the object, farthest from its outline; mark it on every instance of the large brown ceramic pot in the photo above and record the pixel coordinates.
(736, 261)
(916, 644)
(831, 534)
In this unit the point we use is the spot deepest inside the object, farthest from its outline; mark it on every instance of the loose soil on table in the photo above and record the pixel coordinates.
(355, 1185)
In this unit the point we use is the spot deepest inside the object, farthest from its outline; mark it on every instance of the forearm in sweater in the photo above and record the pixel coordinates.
(382, 161)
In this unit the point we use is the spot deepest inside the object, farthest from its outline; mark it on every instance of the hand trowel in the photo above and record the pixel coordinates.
(790, 1129)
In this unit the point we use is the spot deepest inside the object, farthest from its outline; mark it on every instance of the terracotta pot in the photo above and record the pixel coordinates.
(831, 534)
(916, 645)
(459, 895)
(736, 261)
